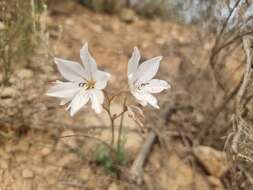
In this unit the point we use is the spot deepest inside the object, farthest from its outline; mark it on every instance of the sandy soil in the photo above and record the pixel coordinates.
(34, 157)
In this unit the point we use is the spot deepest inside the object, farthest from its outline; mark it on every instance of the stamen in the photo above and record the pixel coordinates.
(142, 85)
(82, 84)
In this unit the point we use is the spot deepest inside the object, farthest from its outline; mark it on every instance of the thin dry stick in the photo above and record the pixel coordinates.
(136, 172)
(220, 34)
(247, 41)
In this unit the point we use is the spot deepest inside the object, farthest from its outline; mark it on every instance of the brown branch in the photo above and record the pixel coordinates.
(211, 121)
(233, 40)
(247, 41)
(136, 171)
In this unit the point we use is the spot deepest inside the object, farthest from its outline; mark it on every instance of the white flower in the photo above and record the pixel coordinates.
(84, 82)
(140, 79)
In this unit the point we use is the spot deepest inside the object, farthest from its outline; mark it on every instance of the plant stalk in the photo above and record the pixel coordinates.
(121, 122)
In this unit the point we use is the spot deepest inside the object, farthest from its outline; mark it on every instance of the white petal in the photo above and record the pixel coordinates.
(70, 70)
(133, 62)
(64, 89)
(88, 61)
(101, 79)
(97, 99)
(145, 98)
(156, 86)
(78, 102)
(147, 70)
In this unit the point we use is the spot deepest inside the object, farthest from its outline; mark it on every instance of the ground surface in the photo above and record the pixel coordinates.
(39, 159)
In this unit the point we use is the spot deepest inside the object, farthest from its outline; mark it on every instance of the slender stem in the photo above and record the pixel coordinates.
(108, 111)
(121, 121)
(113, 132)
(120, 114)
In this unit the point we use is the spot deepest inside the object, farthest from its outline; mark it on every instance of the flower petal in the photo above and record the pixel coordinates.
(97, 99)
(144, 98)
(78, 102)
(70, 70)
(133, 62)
(147, 70)
(88, 61)
(101, 79)
(64, 90)
(156, 86)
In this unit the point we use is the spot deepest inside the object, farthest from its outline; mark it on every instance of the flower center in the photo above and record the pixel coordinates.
(139, 87)
(88, 84)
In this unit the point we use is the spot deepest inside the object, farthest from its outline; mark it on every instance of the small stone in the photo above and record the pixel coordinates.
(113, 186)
(199, 117)
(96, 28)
(70, 22)
(25, 73)
(27, 173)
(46, 151)
(128, 15)
(8, 92)
(214, 161)
(115, 27)
(2, 26)
(4, 164)
(215, 183)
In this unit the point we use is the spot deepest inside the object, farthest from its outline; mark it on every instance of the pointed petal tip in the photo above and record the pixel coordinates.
(156, 106)
(167, 85)
(85, 46)
(159, 57)
(56, 60)
(108, 75)
(136, 48)
(98, 111)
(72, 113)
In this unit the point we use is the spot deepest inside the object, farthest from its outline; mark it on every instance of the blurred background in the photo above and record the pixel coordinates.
(203, 143)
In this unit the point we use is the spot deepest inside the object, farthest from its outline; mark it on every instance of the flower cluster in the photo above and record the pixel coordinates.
(85, 82)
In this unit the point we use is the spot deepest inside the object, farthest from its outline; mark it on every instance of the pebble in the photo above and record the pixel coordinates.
(25, 73)
(8, 92)
(2, 26)
(215, 183)
(46, 151)
(113, 186)
(214, 161)
(27, 174)
(127, 15)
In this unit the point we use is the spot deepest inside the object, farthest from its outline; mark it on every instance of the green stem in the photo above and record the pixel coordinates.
(108, 110)
(121, 122)
(113, 132)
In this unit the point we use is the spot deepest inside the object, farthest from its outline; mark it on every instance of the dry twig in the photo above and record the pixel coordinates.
(136, 172)
(247, 41)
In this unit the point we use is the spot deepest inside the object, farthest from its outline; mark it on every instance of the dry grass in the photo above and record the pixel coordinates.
(21, 32)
